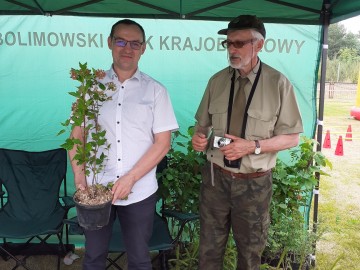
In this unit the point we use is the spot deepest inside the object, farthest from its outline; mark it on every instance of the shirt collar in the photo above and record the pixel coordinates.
(252, 75)
(113, 75)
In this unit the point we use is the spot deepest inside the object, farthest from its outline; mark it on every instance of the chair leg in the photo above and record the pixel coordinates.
(58, 262)
(163, 260)
(3, 254)
(18, 262)
(60, 249)
(113, 261)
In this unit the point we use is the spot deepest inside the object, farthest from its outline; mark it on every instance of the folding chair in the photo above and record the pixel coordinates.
(32, 209)
(161, 240)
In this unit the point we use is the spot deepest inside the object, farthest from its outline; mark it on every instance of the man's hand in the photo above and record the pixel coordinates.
(199, 142)
(80, 187)
(237, 148)
(122, 187)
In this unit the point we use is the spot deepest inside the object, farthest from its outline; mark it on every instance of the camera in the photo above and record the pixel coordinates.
(221, 141)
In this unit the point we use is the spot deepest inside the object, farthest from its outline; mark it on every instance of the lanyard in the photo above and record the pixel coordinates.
(231, 97)
(237, 163)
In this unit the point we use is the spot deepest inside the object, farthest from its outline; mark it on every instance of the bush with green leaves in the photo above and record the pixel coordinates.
(182, 178)
(289, 238)
(294, 182)
(187, 256)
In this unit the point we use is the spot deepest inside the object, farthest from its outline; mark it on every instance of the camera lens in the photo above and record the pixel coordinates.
(221, 142)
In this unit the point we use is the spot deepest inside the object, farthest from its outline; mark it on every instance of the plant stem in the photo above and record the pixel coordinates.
(84, 133)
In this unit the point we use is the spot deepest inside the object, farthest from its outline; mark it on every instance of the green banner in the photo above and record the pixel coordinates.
(36, 54)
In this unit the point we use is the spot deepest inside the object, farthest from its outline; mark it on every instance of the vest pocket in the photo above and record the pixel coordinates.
(218, 112)
(260, 125)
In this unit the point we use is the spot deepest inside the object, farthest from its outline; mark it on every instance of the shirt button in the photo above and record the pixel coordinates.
(118, 140)
(122, 87)
(119, 104)
(119, 159)
(117, 176)
(118, 122)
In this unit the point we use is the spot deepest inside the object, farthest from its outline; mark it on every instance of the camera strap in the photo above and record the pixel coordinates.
(248, 102)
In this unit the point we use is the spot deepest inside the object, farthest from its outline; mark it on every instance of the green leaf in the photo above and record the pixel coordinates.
(74, 94)
(61, 132)
(68, 145)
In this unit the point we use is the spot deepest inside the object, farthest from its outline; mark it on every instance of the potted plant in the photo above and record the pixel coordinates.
(290, 242)
(93, 204)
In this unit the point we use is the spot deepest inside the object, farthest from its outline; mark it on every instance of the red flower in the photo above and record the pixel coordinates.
(73, 74)
(100, 74)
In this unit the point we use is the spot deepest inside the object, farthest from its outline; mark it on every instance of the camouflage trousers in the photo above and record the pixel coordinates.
(238, 204)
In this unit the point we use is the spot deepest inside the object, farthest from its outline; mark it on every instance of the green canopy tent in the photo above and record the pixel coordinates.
(303, 12)
(308, 12)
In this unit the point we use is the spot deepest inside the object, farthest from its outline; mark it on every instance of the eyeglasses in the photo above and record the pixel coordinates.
(237, 44)
(135, 45)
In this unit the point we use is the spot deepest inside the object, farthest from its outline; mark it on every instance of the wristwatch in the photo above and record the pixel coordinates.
(257, 147)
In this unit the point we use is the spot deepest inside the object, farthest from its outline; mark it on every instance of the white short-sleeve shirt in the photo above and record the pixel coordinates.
(139, 108)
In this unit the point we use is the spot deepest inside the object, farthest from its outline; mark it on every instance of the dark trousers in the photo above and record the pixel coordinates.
(238, 204)
(136, 225)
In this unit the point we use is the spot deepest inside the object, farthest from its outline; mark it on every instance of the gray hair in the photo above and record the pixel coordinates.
(256, 34)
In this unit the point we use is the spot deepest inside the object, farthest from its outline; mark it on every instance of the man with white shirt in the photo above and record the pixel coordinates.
(138, 120)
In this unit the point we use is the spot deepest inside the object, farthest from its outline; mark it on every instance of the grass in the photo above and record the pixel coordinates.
(337, 109)
(339, 199)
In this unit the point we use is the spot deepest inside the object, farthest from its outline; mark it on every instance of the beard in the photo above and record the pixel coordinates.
(238, 62)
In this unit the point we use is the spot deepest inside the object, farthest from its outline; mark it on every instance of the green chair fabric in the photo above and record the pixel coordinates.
(33, 210)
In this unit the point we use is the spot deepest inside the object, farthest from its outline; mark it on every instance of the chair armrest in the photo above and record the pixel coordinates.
(71, 221)
(68, 202)
(74, 227)
(183, 217)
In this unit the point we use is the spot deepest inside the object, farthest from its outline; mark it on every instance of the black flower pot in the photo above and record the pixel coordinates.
(93, 217)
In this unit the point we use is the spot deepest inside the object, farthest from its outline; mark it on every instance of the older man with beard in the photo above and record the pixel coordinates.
(247, 115)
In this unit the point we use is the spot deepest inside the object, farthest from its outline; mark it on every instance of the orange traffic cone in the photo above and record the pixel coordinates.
(348, 134)
(339, 147)
(327, 142)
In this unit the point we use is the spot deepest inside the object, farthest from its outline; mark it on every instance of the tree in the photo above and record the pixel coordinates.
(348, 55)
(340, 39)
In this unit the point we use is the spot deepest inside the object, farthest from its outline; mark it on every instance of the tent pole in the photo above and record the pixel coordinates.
(325, 22)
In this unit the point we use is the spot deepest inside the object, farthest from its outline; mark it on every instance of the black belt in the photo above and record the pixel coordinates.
(241, 175)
